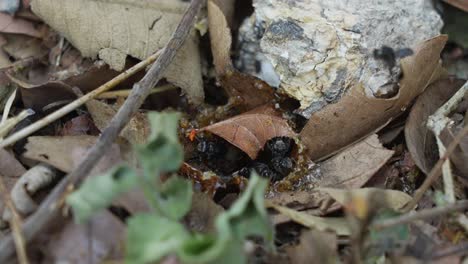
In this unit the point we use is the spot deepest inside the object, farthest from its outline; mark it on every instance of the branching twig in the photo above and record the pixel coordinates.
(423, 214)
(49, 209)
(435, 172)
(15, 223)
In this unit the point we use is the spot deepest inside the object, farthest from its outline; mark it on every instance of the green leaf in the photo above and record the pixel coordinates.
(163, 153)
(387, 239)
(207, 249)
(98, 192)
(151, 237)
(247, 217)
(176, 197)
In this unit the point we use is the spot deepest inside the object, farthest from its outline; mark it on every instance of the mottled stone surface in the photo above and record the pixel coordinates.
(315, 50)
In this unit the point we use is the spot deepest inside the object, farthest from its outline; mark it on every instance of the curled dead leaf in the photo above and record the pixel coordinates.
(356, 115)
(251, 91)
(250, 132)
(419, 139)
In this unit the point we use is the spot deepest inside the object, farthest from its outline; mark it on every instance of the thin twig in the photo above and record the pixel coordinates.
(437, 123)
(77, 103)
(423, 214)
(126, 93)
(15, 223)
(435, 172)
(49, 209)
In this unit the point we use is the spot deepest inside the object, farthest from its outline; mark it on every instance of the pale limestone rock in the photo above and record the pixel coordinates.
(315, 50)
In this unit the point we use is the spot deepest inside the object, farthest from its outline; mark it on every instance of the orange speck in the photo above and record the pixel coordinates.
(192, 134)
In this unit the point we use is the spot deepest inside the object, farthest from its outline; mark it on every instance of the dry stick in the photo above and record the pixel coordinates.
(423, 214)
(77, 103)
(15, 224)
(49, 208)
(125, 93)
(435, 172)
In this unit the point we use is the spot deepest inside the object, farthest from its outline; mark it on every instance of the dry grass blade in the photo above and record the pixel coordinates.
(49, 207)
(15, 224)
(77, 103)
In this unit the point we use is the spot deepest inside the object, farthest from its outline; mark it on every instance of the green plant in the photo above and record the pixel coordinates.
(151, 236)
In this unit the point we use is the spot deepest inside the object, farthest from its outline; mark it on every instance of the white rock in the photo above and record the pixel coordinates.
(319, 49)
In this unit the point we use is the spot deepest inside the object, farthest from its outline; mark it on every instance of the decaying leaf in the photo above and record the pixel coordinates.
(463, 5)
(71, 243)
(250, 132)
(67, 152)
(22, 47)
(356, 115)
(35, 179)
(338, 225)
(39, 94)
(113, 30)
(9, 165)
(77, 126)
(420, 140)
(459, 157)
(354, 166)
(251, 91)
(379, 198)
(137, 129)
(10, 24)
(203, 213)
(314, 245)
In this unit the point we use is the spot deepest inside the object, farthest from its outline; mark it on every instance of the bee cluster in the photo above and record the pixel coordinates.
(274, 162)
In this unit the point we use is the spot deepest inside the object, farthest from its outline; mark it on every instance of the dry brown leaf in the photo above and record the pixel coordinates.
(115, 30)
(462, 4)
(136, 131)
(203, 213)
(420, 140)
(71, 243)
(221, 39)
(250, 132)
(459, 157)
(355, 116)
(10, 24)
(354, 166)
(379, 198)
(80, 125)
(9, 165)
(251, 91)
(65, 153)
(314, 245)
(23, 47)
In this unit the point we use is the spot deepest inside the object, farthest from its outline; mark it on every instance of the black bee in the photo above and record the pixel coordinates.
(209, 150)
(275, 162)
(279, 147)
(389, 55)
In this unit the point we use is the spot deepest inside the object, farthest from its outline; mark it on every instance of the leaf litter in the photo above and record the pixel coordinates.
(337, 176)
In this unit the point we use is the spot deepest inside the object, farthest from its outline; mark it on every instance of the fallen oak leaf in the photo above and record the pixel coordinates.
(356, 115)
(250, 132)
